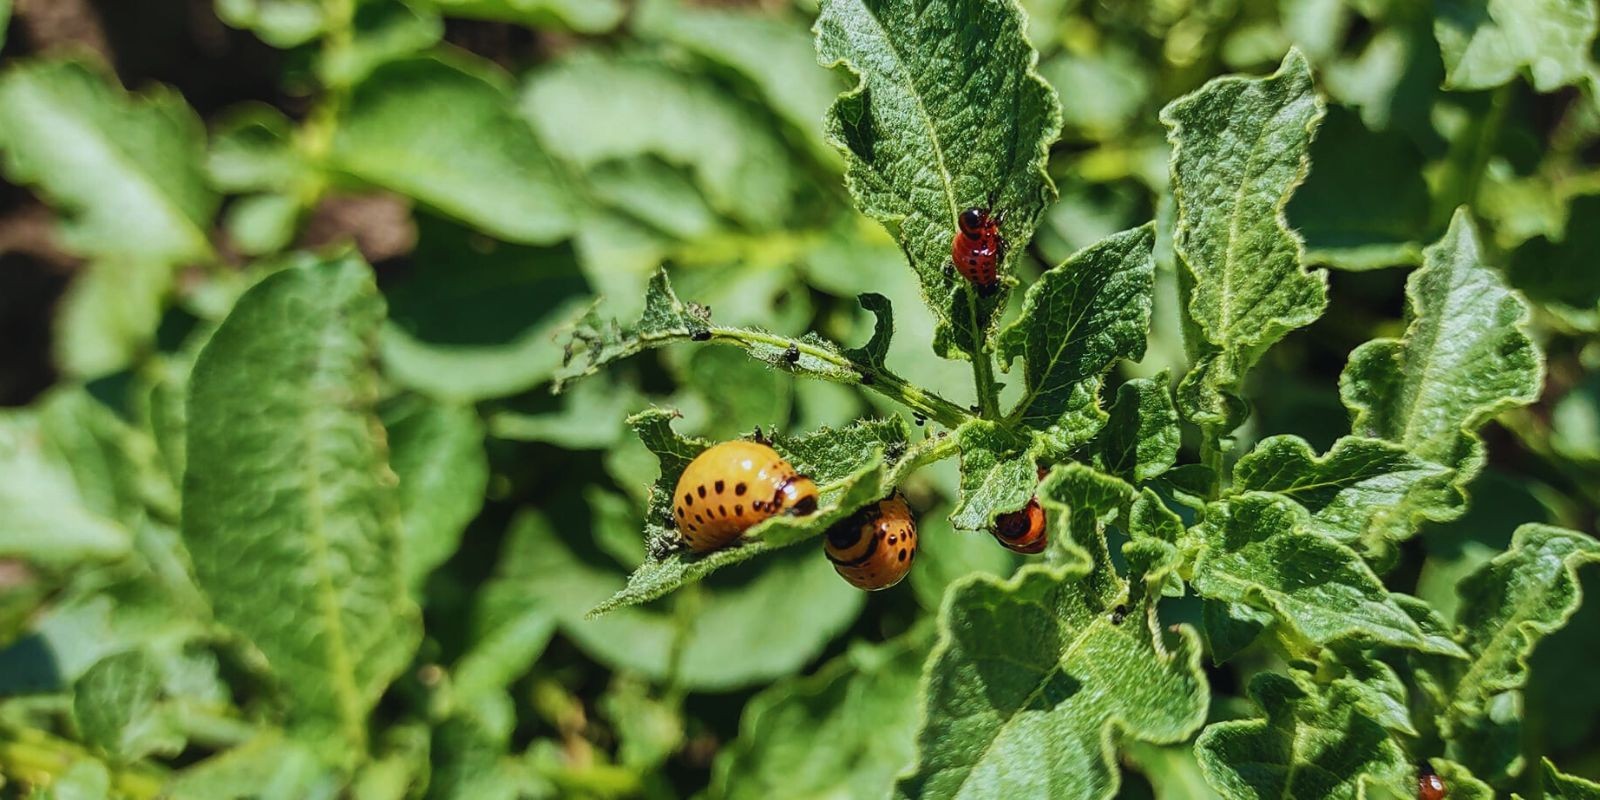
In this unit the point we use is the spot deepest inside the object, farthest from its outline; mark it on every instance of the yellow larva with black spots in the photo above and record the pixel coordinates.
(732, 486)
(874, 548)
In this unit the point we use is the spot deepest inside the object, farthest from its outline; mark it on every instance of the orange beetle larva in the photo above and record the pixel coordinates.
(732, 486)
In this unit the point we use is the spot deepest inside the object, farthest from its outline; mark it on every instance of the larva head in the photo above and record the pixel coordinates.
(973, 221)
(799, 496)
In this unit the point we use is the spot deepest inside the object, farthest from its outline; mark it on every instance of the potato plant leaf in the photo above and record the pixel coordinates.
(1239, 149)
(1559, 786)
(1363, 491)
(1260, 550)
(1464, 358)
(436, 451)
(1488, 42)
(1507, 607)
(1076, 321)
(852, 467)
(1034, 678)
(441, 130)
(124, 170)
(1311, 741)
(288, 500)
(949, 110)
(117, 707)
(1140, 439)
(843, 732)
(997, 473)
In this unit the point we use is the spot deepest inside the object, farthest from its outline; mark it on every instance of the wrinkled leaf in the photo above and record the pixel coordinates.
(437, 453)
(1140, 439)
(1076, 322)
(1464, 358)
(1239, 149)
(1488, 42)
(117, 708)
(289, 503)
(920, 147)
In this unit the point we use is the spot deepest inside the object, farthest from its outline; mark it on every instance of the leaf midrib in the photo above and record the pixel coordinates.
(922, 109)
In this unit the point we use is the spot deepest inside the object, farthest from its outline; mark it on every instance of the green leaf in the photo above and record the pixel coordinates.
(594, 342)
(1077, 320)
(252, 149)
(468, 761)
(1461, 784)
(750, 626)
(586, 109)
(289, 504)
(1035, 715)
(1507, 607)
(589, 416)
(1488, 42)
(476, 318)
(108, 317)
(649, 728)
(45, 517)
(1463, 359)
(849, 480)
(1365, 204)
(280, 23)
(1364, 491)
(772, 53)
(380, 32)
(920, 146)
(83, 780)
(440, 130)
(1140, 438)
(1239, 149)
(1229, 628)
(998, 473)
(875, 352)
(117, 708)
(1558, 786)
(437, 453)
(1082, 500)
(843, 732)
(1558, 275)
(1261, 550)
(1312, 741)
(125, 171)
(268, 767)
(581, 16)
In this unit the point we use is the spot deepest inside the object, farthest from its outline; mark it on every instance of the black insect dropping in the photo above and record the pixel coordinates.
(1118, 614)
(792, 354)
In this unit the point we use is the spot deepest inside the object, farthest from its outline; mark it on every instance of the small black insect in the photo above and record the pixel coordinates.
(919, 419)
(974, 409)
(1118, 614)
(792, 354)
(866, 379)
(700, 335)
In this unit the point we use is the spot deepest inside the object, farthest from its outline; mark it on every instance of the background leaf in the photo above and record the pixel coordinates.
(302, 518)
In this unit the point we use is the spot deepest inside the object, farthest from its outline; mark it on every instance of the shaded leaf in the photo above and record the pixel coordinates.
(843, 732)
(280, 23)
(1365, 204)
(920, 147)
(582, 16)
(1140, 439)
(1239, 149)
(289, 503)
(437, 453)
(1558, 786)
(1507, 607)
(1077, 320)
(998, 473)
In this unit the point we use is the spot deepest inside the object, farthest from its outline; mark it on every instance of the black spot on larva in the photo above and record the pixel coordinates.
(902, 555)
(892, 540)
(723, 510)
(698, 518)
(719, 487)
(739, 489)
(680, 512)
(972, 262)
(738, 509)
(688, 499)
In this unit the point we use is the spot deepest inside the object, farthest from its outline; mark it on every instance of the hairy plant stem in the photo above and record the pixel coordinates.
(982, 367)
(883, 382)
(1212, 455)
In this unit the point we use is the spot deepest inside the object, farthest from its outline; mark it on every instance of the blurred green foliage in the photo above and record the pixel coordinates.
(292, 511)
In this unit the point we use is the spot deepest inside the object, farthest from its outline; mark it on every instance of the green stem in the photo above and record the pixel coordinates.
(1212, 456)
(881, 381)
(42, 761)
(315, 137)
(982, 366)
(1483, 149)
